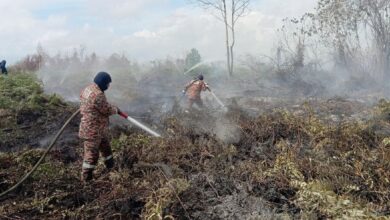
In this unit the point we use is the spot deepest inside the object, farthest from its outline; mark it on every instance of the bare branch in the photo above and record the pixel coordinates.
(215, 4)
(229, 14)
(240, 8)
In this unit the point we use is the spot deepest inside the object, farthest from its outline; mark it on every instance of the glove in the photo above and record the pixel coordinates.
(116, 110)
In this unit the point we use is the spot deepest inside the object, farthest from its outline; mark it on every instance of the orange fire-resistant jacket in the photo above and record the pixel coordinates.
(194, 88)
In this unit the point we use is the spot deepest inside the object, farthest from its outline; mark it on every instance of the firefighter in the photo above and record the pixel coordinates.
(193, 90)
(95, 112)
(2, 67)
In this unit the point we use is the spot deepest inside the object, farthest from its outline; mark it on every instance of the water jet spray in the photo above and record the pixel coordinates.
(218, 100)
(139, 124)
(192, 68)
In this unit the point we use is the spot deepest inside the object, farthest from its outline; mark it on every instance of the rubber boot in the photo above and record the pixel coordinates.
(109, 163)
(87, 175)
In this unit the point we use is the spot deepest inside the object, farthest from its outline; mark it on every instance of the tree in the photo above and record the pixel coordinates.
(376, 15)
(230, 11)
(337, 23)
(192, 58)
(348, 23)
(292, 45)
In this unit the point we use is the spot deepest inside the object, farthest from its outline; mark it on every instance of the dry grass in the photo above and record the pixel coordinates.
(301, 166)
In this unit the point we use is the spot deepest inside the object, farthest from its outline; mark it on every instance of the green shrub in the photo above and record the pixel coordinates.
(24, 91)
(20, 91)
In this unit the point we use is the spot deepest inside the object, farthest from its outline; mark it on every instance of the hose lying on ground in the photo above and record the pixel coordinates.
(42, 157)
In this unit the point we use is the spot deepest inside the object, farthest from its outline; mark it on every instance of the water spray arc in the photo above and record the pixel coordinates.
(218, 100)
(194, 67)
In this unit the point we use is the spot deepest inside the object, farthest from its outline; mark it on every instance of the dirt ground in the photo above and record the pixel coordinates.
(263, 158)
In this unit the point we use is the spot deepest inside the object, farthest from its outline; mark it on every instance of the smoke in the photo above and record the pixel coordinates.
(149, 91)
(153, 88)
(227, 131)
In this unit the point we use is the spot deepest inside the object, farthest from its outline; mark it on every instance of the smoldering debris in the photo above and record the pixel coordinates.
(227, 131)
(286, 161)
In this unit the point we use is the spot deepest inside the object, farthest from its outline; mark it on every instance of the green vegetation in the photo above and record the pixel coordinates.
(22, 91)
(25, 110)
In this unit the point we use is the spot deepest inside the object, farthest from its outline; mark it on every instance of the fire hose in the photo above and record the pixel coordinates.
(42, 157)
(124, 115)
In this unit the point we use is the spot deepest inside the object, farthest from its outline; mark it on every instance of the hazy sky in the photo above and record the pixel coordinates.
(141, 29)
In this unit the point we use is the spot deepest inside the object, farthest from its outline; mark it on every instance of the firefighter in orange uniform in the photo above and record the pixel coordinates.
(193, 90)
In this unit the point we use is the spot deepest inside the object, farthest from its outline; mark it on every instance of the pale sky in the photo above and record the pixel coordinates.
(140, 29)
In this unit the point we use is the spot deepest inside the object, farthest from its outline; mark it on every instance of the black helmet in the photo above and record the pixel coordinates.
(102, 79)
(200, 77)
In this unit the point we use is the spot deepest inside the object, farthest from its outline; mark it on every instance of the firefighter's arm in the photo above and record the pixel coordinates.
(103, 106)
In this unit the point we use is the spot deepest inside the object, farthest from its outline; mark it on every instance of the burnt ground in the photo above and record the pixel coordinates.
(35, 129)
(262, 159)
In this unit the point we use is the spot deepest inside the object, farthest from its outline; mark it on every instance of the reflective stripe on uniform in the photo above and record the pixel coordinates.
(88, 166)
(107, 158)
